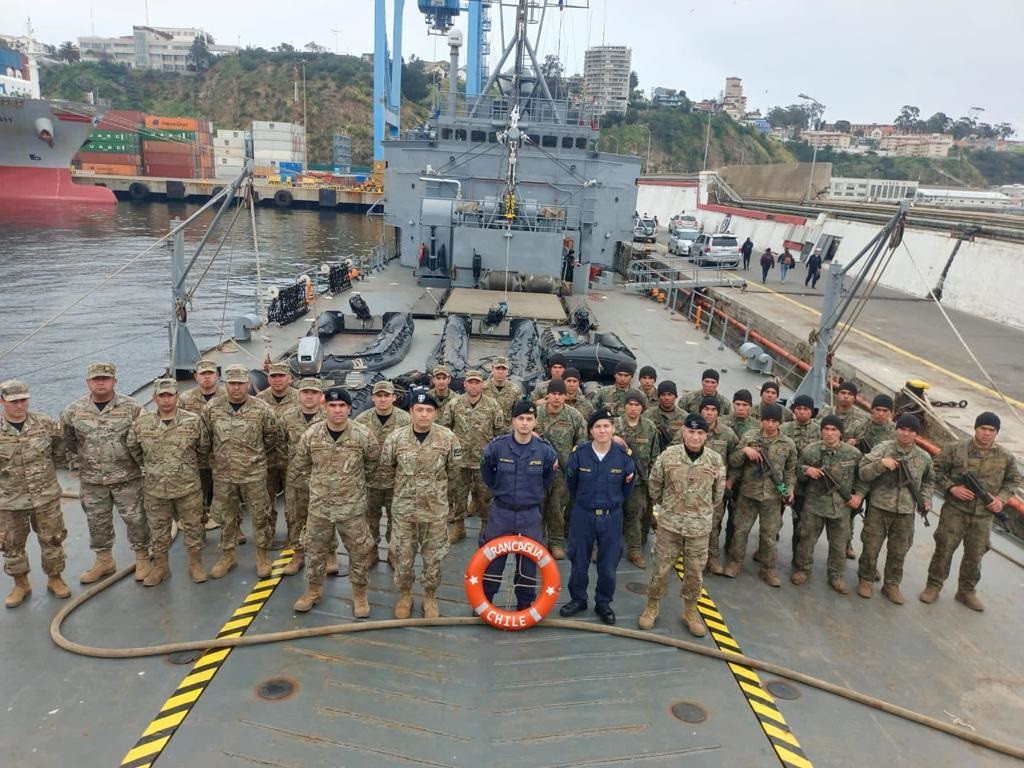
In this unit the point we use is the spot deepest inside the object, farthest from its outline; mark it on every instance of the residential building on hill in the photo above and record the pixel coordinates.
(606, 71)
(916, 144)
(167, 49)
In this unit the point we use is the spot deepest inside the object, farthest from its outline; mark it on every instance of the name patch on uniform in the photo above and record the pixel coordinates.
(536, 462)
(507, 461)
(584, 469)
(616, 471)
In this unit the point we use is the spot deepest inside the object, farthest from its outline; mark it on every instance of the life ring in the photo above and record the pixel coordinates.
(550, 582)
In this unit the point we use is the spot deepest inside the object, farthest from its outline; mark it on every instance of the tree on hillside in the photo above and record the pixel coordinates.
(69, 52)
(843, 126)
(554, 73)
(284, 48)
(908, 120)
(199, 57)
(415, 80)
(793, 116)
(963, 127)
(1005, 130)
(314, 47)
(940, 122)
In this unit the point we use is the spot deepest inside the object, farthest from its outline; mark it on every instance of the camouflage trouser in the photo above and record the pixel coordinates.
(275, 485)
(296, 510)
(632, 514)
(837, 532)
(48, 523)
(378, 504)
(554, 511)
(769, 518)
(159, 513)
(319, 540)
(430, 539)
(954, 527)
(878, 527)
(206, 479)
(798, 509)
(668, 545)
(227, 500)
(716, 530)
(98, 503)
(468, 480)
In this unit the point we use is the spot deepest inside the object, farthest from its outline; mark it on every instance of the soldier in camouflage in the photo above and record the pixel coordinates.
(613, 397)
(556, 370)
(246, 437)
(563, 427)
(335, 458)
(803, 431)
(498, 387)
(207, 387)
(280, 396)
(770, 396)
(740, 420)
(31, 447)
(95, 434)
(383, 419)
(723, 441)
(667, 416)
(759, 497)
(965, 517)
(891, 506)
(423, 458)
(641, 436)
(169, 446)
(845, 407)
(688, 481)
(296, 420)
(441, 391)
(824, 505)
(690, 402)
(648, 383)
(865, 434)
(574, 394)
(476, 420)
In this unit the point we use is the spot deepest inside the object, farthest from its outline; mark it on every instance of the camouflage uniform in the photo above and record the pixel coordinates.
(194, 401)
(740, 426)
(690, 402)
(564, 430)
(851, 416)
(758, 499)
(642, 440)
(875, 434)
(30, 493)
(505, 397)
(755, 413)
(610, 397)
(689, 492)
(968, 521)
(540, 391)
(802, 435)
(475, 426)
(108, 474)
(442, 400)
(379, 488)
(890, 513)
(421, 474)
(243, 444)
(336, 472)
(277, 470)
(824, 508)
(296, 495)
(668, 423)
(581, 404)
(651, 394)
(723, 441)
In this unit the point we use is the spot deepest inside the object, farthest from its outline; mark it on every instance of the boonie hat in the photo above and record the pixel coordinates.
(279, 369)
(236, 374)
(384, 386)
(442, 369)
(500, 362)
(311, 384)
(205, 365)
(101, 370)
(13, 389)
(165, 386)
(473, 374)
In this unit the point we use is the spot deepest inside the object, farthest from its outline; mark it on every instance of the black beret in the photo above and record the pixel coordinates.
(802, 401)
(624, 367)
(772, 411)
(695, 421)
(422, 397)
(833, 421)
(882, 401)
(523, 407)
(556, 387)
(743, 396)
(848, 386)
(770, 385)
(909, 421)
(710, 373)
(599, 415)
(557, 359)
(987, 419)
(709, 400)
(667, 386)
(648, 370)
(337, 395)
(572, 373)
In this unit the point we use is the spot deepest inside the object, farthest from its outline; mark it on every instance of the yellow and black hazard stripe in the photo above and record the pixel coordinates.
(774, 725)
(174, 711)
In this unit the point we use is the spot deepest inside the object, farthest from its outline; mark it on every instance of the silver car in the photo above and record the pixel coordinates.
(719, 250)
(681, 240)
(644, 230)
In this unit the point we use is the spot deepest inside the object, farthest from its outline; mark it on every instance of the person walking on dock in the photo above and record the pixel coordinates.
(813, 269)
(747, 249)
(785, 262)
(767, 262)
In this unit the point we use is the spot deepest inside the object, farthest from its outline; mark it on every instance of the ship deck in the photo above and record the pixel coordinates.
(472, 695)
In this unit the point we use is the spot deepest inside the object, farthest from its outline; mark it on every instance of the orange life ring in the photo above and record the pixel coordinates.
(550, 582)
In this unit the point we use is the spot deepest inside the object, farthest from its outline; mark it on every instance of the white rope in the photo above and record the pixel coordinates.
(260, 307)
(963, 342)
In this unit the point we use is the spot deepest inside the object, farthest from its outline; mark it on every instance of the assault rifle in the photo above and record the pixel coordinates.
(908, 480)
(864, 445)
(833, 485)
(777, 481)
(971, 481)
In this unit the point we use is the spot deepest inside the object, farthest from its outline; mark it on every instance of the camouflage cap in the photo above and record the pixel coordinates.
(162, 386)
(13, 389)
(500, 362)
(101, 370)
(311, 383)
(278, 369)
(205, 365)
(384, 386)
(238, 374)
(473, 374)
(442, 369)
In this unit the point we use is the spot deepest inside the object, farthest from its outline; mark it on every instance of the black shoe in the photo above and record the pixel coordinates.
(605, 612)
(572, 608)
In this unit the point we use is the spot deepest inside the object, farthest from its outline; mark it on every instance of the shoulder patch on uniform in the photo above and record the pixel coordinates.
(574, 449)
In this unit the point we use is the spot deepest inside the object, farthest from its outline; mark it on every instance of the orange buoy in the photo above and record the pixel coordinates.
(550, 582)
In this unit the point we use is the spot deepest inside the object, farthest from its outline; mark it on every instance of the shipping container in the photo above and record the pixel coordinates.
(121, 120)
(114, 136)
(108, 169)
(115, 147)
(173, 123)
(259, 133)
(264, 125)
(154, 134)
(227, 133)
(229, 152)
(169, 171)
(168, 148)
(262, 156)
(110, 158)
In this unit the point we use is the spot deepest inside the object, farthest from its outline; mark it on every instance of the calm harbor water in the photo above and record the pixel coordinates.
(49, 260)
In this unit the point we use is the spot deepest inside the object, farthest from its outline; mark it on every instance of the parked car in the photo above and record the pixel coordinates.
(682, 221)
(680, 241)
(644, 230)
(716, 249)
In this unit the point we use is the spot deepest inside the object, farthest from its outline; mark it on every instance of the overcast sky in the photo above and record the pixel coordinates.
(863, 60)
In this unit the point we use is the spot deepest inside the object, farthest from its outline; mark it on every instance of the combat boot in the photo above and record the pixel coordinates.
(637, 558)
(691, 618)
(970, 600)
(55, 586)
(309, 598)
(732, 570)
(557, 552)
(195, 566)
(360, 605)
(295, 564)
(160, 571)
(331, 564)
(104, 566)
(797, 578)
(929, 595)
(457, 532)
(262, 562)
(143, 565)
(650, 614)
(715, 566)
(430, 607)
(22, 589)
(864, 588)
(893, 594)
(769, 577)
(403, 608)
(225, 564)
(839, 585)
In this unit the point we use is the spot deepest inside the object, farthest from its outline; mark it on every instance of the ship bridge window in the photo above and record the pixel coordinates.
(549, 141)
(446, 134)
(581, 143)
(478, 137)
(567, 142)
(534, 139)
(460, 134)
(492, 138)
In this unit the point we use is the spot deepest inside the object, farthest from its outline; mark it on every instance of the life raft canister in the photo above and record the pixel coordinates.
(550, 582)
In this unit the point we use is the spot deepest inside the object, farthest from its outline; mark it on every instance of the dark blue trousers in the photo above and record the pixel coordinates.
(505, 522)
(585, 530)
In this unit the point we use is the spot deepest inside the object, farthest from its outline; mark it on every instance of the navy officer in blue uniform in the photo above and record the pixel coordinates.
(600, 476)
(518, 468)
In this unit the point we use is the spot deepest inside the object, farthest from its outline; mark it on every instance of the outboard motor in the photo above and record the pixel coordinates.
(309, 356)
(581, 320)
(496, 313)
(360, 307)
